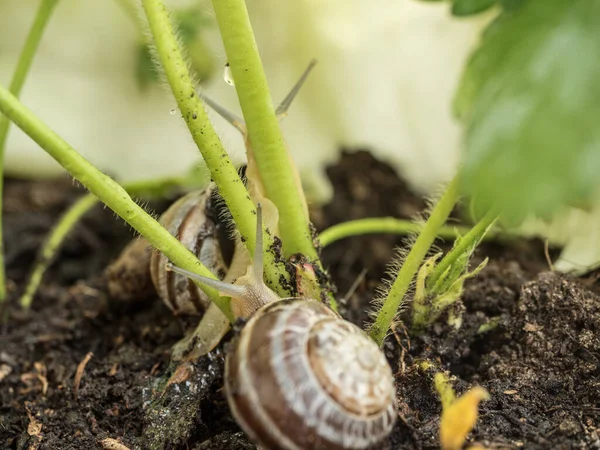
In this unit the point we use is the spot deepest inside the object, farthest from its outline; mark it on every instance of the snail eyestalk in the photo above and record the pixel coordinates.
(234, 120)
(257, 263)
(274, 163)
(281, 110)
(226, 289)
(285, 104)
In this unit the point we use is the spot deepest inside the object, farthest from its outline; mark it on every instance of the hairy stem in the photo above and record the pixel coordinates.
(222, 170)
(266, 139)
(23, 65)
(108, 191)
(409, 268)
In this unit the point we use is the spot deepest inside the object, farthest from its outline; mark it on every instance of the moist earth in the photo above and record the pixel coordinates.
(81, 367)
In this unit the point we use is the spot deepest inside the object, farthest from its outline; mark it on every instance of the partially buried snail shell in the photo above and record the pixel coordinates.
(194, 220)
(298, 376)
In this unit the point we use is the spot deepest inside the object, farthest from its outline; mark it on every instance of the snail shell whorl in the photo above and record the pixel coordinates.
(302, 378)
(193, 221)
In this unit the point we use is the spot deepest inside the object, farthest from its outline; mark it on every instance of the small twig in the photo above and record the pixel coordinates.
(404, 351)
(79, 373)
(112, 444)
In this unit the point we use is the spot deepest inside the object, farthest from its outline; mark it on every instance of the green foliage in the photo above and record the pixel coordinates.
(439, 286)
(189, 23)
(430, 302)
(530, 100)
(462, 8)
(470, 7)
(145, 69)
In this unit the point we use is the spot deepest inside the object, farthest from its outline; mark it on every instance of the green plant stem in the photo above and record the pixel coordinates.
(108, 191)
(221, 168)
(471, 238)
(47, 253)
(266, 139)
(409, 268)
(53, 242)
(382, 225)
(23, 65)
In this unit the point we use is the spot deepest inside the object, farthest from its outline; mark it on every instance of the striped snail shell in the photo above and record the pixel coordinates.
(194, 220)
(301, 377)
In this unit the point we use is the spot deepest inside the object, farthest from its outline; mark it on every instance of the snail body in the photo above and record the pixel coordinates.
(298, 376)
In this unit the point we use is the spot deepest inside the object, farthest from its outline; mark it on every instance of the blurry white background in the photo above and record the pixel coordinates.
(386, 76)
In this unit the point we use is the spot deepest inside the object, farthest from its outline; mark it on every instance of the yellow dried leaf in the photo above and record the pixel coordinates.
(460, 417)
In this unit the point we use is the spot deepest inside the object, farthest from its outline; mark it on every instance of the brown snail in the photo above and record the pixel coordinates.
(194, 220)
(298, 376)
(197, 220)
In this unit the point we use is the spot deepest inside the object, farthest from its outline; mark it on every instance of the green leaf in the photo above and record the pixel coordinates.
(530, 101)
(145, 69)
(511, 4)
(189, 22)
(470, 7)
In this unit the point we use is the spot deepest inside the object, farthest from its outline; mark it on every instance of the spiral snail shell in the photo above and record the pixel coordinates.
(300, 377)
(194, 220)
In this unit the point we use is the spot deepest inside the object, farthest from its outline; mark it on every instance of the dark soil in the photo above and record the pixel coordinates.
(540, 362)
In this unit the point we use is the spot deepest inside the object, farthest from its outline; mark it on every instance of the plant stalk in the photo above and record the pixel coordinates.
(411, 265)
(54, 240)
(222, 170)
(382, 225)
(109, 192)
(264, 133)
(23, 65)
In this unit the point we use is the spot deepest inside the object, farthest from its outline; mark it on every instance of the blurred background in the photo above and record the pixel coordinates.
(389, 66)
(388, 71)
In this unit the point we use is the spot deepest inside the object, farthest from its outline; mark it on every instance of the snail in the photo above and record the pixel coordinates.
(196, 219)
(298, 376)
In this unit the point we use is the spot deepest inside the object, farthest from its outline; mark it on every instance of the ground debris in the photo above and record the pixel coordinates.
(529, 338)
